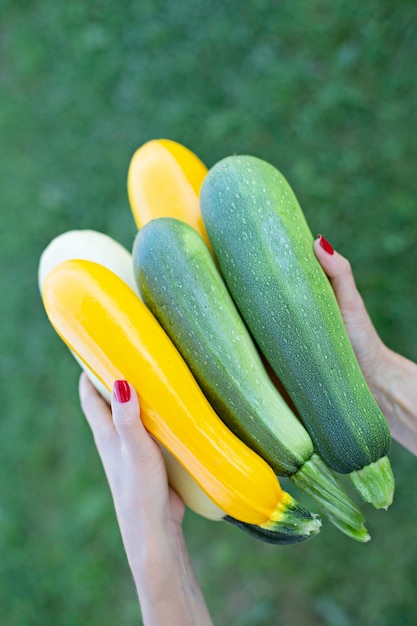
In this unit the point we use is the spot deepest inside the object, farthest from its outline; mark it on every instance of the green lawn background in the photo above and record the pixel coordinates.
(324, 90)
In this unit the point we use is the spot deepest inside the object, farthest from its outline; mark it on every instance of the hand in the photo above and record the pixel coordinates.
(148, 511)
(134, 467)
(391, 377)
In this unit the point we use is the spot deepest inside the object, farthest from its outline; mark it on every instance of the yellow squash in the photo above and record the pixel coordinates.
(91, 245)
(110, 329)
(164, 180)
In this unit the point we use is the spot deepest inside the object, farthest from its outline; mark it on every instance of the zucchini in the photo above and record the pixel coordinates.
(164, 180)
(265, 251)
(110, 329)
(91, 245)
(179, 282)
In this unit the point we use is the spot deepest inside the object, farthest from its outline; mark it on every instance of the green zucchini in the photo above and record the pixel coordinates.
(180, 283)
(265, 251)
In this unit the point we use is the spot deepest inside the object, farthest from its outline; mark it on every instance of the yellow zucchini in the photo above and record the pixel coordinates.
(164, 180)
(91, 245)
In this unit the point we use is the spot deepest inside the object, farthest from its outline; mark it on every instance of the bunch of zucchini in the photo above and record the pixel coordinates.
(217, 283)
(113, 335)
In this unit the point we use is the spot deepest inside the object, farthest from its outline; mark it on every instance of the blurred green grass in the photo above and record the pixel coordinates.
(324, 90)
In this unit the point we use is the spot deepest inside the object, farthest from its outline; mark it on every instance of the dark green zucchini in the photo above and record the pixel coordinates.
(265, 251)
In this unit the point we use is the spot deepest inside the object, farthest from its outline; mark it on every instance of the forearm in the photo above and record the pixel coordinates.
(168, 590)
(395, 390)
(149, 513)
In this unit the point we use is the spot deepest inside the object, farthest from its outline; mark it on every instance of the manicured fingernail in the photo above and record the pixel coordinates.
(325, 245)
(121, 391)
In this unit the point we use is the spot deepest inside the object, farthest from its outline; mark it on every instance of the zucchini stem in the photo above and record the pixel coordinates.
(289, 523)
(317, 480)
(375, 483)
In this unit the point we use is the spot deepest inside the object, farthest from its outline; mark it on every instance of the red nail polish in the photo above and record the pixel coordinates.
(325, 245)
(121, 391)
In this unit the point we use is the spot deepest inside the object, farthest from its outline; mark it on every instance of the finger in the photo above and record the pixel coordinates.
(126, 418)
(96, 410)
(339, 271)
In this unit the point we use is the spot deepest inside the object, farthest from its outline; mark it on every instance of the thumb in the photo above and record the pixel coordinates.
(362, 333)
(339, 271)
(126, 418)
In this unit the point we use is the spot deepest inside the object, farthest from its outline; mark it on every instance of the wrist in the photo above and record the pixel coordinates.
(381, 381)
(151, 547)
(395, 392)
(167, 588)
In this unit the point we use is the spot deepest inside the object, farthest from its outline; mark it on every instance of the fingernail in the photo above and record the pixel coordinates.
(121, 391)
(326, 245)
